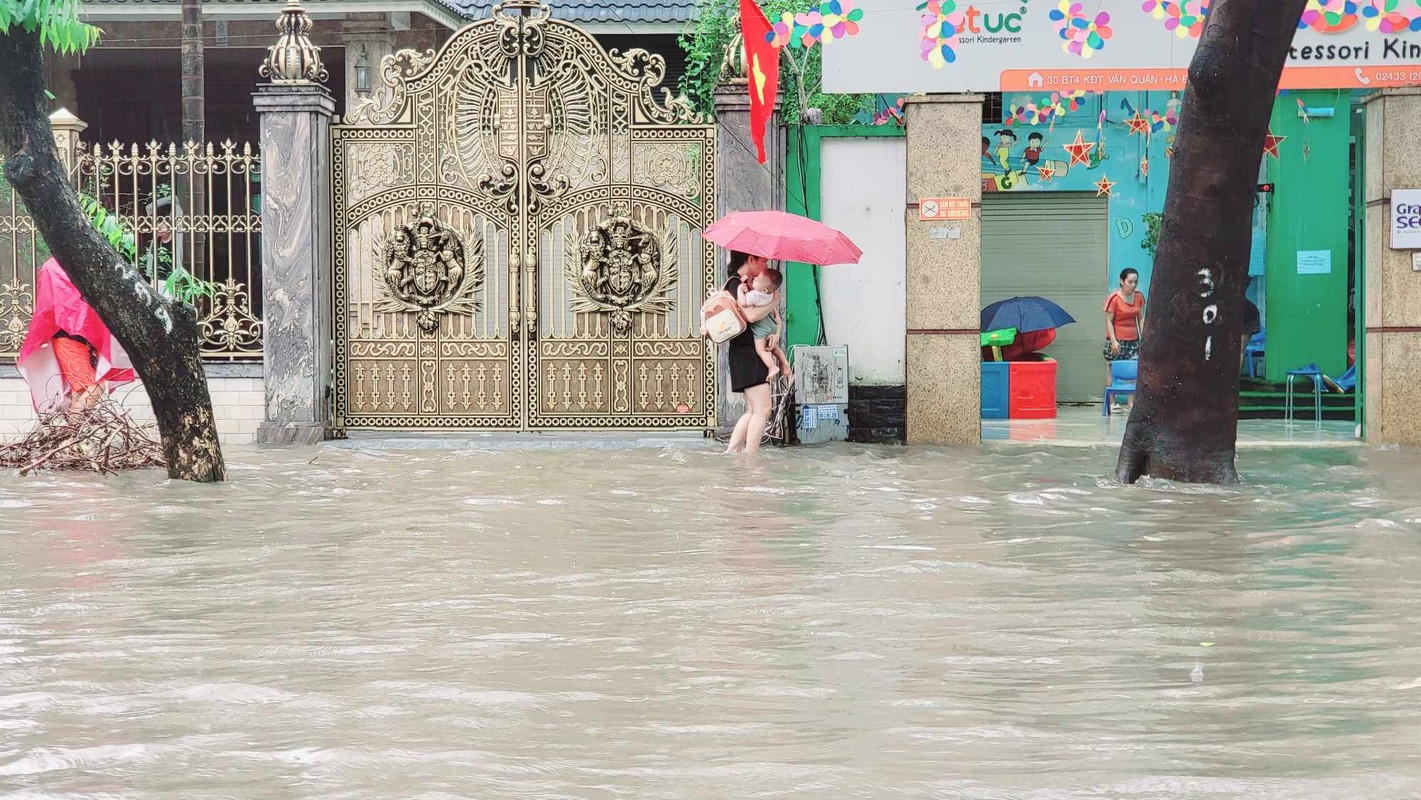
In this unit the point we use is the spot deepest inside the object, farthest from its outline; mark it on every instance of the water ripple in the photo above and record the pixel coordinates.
(833, 622)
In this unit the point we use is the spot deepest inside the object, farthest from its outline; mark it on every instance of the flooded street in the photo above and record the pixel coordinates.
(844, 622)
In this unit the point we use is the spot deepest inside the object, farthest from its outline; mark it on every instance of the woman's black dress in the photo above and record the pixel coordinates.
(746, 368)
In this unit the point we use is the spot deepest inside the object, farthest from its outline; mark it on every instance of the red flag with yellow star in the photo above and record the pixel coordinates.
(762, 69)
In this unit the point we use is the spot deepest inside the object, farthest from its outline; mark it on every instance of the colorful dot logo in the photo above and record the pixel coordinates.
(1184, 17)
(1025, 111)
(825, 22)
(942, 22)
(1082, 35)
(1329, 16)
(1392, 16)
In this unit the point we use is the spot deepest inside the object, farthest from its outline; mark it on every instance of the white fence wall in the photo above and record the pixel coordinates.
(237, 402)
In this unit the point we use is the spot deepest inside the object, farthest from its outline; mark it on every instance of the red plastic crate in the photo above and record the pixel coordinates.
(1032, 387)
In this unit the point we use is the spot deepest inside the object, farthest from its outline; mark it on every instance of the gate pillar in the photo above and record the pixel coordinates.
(944, 275)
(295, 114)
(1391, 285)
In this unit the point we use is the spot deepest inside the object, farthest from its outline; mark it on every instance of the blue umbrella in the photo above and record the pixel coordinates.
(1026, 314)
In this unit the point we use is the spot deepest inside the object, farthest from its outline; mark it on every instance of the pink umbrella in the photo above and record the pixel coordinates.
(782, 236)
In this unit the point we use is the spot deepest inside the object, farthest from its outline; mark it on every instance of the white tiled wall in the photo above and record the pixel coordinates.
(239, 404)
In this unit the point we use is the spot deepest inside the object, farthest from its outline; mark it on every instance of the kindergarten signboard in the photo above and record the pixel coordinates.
(903, 46)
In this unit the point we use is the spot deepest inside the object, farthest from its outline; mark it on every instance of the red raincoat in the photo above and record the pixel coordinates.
(59, 308)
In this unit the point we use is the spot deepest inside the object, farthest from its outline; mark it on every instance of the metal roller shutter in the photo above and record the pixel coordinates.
(1054, 245)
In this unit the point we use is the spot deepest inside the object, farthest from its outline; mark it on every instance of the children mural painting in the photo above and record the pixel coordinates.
(1011, 167)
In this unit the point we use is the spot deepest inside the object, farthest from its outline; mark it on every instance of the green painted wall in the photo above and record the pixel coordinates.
(1359, 257)
(1306, 314)
(802, 316)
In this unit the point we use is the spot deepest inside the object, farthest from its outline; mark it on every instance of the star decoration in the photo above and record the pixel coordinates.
(1103, 187)
(1270, 145)
(1079, 150)
(1145, 167)
(1046, 172)
(1138, 124)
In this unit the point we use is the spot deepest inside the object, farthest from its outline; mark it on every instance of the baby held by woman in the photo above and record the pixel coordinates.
(767, 332)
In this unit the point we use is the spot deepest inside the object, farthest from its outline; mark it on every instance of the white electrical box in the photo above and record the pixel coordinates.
(821, 375)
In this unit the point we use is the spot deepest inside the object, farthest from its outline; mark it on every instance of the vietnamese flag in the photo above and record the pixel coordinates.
(762, 70)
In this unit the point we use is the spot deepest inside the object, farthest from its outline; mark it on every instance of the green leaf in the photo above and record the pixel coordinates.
(716, 24)
(56, 22)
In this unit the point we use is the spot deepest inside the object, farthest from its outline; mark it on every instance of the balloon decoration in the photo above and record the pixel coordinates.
(941, 23)
(1328, 16)
(1150, 122)
(1392, 16)
(1081, 33)
(1046, 110)
(1184, 17)
(832, 19)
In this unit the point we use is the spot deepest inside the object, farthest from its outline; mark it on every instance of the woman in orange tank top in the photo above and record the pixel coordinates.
(1124, 320)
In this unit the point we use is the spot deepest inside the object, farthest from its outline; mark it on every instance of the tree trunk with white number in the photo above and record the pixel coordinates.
(159, 335)
(1185, 420)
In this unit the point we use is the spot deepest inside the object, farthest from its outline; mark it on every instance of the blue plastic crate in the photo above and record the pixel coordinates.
(996, 394)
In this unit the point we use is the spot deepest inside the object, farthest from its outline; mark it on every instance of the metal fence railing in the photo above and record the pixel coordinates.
(194, 208)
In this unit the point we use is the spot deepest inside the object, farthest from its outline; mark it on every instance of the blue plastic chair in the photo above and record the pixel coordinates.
(1123, 375)
(1348, 381)
(1290, 406)
(1253, 351)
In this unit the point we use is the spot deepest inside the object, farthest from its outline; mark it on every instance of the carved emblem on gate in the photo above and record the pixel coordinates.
(425, 269)
(621, 267)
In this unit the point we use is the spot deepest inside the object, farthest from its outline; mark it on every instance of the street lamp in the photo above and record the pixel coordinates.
(362, 73)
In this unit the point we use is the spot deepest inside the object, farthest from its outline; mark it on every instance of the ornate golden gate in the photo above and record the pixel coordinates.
(517, 238)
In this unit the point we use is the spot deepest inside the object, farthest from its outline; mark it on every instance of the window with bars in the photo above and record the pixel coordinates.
(992, 109)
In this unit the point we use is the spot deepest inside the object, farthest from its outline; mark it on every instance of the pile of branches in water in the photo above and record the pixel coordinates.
(102, 438)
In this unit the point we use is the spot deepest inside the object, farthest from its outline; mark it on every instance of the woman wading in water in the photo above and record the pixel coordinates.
(748, 373)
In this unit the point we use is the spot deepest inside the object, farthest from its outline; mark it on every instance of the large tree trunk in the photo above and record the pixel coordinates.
(159, 335)
(1185, 420)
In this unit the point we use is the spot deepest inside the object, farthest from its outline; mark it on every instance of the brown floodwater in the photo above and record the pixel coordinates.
(831, 623)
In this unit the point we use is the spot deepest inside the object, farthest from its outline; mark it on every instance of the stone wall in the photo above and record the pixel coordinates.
(878, 414)
(237, 401)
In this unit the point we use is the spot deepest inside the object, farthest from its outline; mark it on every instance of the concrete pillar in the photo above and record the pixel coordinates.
(744, 184)
(944, 283)
(1393, 286)
(295, 111)
(67, 129)
(296, 260)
